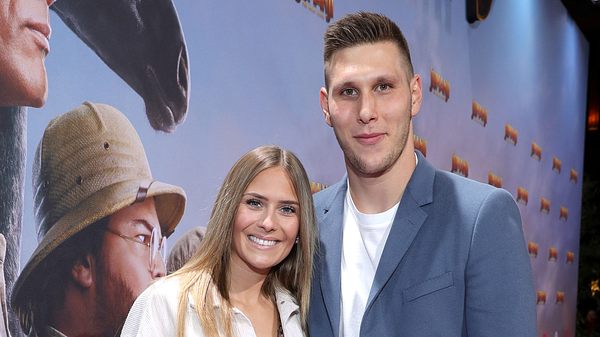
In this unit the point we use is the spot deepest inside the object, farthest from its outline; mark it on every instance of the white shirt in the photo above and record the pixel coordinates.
(154, 313)
(363, 239)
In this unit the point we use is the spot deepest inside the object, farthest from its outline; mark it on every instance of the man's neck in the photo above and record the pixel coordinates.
(376, 194)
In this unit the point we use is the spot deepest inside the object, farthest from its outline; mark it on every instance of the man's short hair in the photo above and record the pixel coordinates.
(362, 28)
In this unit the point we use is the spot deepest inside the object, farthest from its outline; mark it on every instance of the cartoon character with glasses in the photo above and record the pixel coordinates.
(102, 222)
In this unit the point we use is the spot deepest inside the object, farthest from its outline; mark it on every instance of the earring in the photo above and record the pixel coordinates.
(297, 239)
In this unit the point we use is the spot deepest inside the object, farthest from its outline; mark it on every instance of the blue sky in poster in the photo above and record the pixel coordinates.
(256, 68)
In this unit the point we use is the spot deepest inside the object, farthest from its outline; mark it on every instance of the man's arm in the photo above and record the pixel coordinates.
(500, 296)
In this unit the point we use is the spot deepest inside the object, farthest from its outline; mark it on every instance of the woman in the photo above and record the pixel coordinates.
(251, 276)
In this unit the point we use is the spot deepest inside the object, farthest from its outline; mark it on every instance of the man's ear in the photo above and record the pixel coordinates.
(416, 94)
(82, 271)
(324, 100)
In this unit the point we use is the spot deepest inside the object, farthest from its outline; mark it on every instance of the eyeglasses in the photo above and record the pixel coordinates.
(157, 243)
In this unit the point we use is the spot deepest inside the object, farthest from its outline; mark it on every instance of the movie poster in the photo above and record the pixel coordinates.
(203, 82)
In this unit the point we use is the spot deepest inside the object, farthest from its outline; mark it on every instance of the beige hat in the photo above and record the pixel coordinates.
(90, 164)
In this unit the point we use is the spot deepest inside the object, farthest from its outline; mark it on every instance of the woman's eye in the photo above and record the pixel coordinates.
(253, 203)
(288, 209)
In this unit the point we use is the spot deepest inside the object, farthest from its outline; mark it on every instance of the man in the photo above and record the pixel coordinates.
(24, 34)
(406, 250)
(101, 221)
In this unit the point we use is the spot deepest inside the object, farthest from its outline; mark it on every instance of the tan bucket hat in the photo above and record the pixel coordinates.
(90, 164)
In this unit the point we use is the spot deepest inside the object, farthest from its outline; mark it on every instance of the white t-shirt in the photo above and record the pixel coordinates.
(363, 239)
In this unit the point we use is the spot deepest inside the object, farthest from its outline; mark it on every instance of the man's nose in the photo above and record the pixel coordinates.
(159, 269)
(367, 112)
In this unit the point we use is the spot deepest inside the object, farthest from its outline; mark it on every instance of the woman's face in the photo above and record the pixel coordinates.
(266, 223)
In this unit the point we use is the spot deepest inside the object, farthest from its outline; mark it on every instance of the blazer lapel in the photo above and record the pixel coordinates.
(407, 222)
(330, 218)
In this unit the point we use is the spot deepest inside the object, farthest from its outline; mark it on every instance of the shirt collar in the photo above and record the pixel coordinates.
(286, 305)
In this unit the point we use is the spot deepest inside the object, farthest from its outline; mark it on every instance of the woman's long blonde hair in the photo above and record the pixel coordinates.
(207, 272)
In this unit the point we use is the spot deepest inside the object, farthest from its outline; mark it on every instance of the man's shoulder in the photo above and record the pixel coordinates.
(461, 185)
(466, 191)
(325, 196)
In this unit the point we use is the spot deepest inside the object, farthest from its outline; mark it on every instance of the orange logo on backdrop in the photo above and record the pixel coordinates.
(552, 254)
(316, 187)
(479, 113)
(541, 297)
(494, 180)
(420, 144)
(570, 257)
(510, 134)
(564, 213)
(560, 297)
(545, 205)
(536, 152)
(522, 195)
(573, 176)
(556, 164)
(439, 86)
(323, 8)
(532, 247)
(460, 166)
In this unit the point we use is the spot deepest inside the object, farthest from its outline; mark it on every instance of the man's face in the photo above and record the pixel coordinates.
(370, 102)
(24, 34)
(124, 269)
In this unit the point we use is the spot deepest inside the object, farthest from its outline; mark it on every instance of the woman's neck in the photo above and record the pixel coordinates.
(245, 285)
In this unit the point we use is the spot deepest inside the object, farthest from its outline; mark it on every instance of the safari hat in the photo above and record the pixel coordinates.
(89, 164)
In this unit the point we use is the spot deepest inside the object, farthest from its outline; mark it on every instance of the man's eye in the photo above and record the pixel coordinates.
(383, 87)
(349, 92)
(288, 210)
(253, 203)
(145, 239)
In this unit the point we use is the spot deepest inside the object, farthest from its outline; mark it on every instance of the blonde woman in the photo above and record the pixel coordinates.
(251, 277)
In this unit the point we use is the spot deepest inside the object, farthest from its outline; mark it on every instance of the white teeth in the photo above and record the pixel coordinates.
(261, 241)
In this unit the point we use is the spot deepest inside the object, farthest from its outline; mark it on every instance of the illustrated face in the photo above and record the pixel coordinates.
(124, 267)
(24, 34)
(266, 223)
(369, 104)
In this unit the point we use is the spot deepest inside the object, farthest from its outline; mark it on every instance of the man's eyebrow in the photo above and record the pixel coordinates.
(141, 222)
(345, 84)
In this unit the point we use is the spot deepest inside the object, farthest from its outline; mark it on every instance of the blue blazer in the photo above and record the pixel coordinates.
(454, 264)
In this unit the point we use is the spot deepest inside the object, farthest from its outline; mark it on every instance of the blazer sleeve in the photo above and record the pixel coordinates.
(500, 297)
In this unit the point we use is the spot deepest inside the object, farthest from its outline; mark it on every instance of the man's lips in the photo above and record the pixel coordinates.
(42, 32)
(369, 138)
